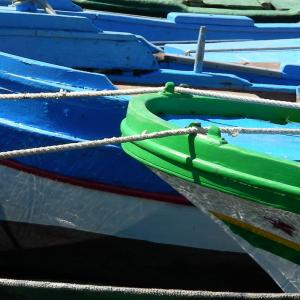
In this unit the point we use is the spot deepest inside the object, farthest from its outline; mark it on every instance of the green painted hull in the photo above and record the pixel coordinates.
(237, 171)
(257, 195)
(275, 11)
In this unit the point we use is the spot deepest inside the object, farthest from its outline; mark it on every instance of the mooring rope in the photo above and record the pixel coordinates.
(74, 291)
(234, 131)
(238, 98)
(97, 143)
(140, 137)
(135, 91)
(64, 94)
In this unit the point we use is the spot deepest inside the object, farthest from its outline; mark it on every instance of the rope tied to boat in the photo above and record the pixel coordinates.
(139, 137)
(183, 90)
(235, 131)
(83, 291)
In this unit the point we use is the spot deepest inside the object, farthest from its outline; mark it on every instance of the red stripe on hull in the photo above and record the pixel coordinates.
(176, 199)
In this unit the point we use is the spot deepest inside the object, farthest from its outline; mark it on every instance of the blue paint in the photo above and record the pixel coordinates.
(72, 41)
(179, 26)
(256, 51)
(280, 145)
(33, 123)
(29, 7)
(59, 5)
(210, 78)
(183, 27)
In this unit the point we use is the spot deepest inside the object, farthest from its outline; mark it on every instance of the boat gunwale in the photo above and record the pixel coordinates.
(162, 153)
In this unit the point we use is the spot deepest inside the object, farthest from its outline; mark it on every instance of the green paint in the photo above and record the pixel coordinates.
(208, 159)
(284, 11)
(261, 242)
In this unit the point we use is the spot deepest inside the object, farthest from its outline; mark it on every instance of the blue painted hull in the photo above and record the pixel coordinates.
(95, 164)
(76, 42)
(72, 42)
(180, 26)
(185, 27)
(37, 123)
(285, 81)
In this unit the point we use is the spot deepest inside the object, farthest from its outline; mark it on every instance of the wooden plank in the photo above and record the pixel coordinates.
(259, 70)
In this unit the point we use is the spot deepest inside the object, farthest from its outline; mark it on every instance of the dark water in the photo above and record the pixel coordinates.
(104, 260)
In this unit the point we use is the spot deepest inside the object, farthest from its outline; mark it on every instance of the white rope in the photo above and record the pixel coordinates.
(50, 290)
(138, 137)
(189, 91)
(96, 143)
(64, 94)
(237, 98)
(234, 131)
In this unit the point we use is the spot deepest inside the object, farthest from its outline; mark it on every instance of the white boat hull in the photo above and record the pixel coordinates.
(60, 231)
(28, 198)
(273, 224)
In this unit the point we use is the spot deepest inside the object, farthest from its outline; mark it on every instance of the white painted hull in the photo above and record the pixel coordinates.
(259, 217)
(29, 198)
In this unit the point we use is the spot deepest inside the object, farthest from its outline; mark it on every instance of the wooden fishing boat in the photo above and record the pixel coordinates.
(50, 38)
(244, 52)
(73, 210)
(178, 26)
(247, 182)
(266, 11)
(130, 59)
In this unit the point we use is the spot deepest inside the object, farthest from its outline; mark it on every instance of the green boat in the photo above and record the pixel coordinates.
(248, 181)
(259, 10)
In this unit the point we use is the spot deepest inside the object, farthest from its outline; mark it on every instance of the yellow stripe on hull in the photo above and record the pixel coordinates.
(258, 231)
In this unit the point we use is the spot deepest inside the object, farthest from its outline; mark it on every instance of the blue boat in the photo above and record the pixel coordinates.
(74, 41)
(285, 51)
(179, 26)
(275, 84)
(94, 214)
